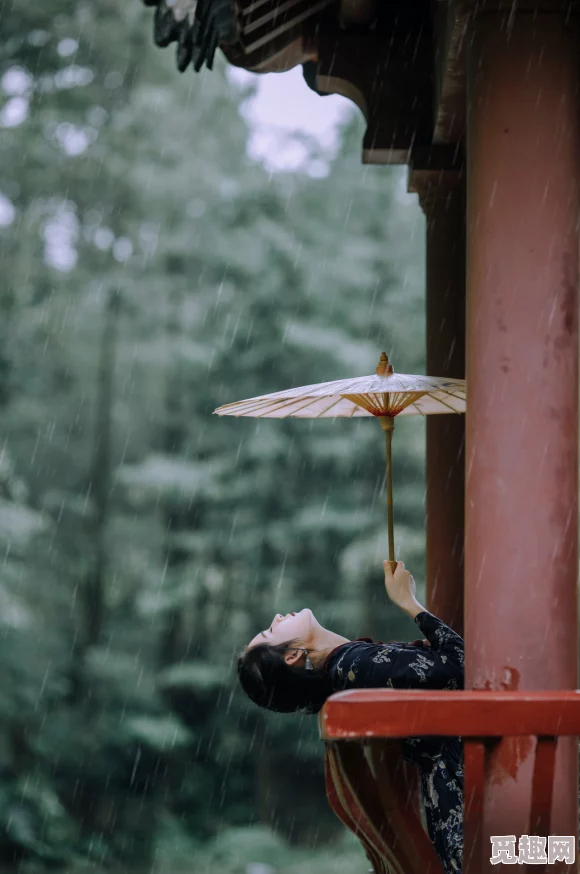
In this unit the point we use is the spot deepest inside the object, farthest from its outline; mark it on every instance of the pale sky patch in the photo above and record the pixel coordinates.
(292, 127)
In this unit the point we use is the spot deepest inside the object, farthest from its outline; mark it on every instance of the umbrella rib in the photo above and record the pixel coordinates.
(449, 407)
(303, 407)
(244, 411)
(253, 403)
(289, 403)
(255, 408)
(333, 404)
(458, 397)
(313, 400)
(275, 404)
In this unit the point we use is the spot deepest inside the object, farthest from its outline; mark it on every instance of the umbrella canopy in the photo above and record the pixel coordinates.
(382, 394)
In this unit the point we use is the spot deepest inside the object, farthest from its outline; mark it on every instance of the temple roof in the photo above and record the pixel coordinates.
(255, 34)
(197, 26)
(400, 61)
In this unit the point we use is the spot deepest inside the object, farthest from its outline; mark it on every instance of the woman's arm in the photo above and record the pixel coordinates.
(447, 648)
(401, 588)
(368, 666)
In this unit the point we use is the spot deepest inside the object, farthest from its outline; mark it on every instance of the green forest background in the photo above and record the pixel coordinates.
(151, 272)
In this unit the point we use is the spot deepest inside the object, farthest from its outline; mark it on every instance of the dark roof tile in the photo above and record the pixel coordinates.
(197, 26)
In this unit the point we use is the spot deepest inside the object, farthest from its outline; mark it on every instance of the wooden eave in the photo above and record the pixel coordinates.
(400, 61)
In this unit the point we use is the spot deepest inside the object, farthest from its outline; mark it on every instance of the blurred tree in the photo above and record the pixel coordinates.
(119, 180)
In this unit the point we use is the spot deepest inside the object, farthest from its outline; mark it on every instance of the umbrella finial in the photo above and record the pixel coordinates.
(384, 368)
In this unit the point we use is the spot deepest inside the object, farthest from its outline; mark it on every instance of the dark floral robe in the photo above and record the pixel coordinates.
(363, 664)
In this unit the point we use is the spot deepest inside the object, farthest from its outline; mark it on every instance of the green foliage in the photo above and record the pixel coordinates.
(256, 850)
(232, 283)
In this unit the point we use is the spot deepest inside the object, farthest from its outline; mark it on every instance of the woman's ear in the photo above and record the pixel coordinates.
(293, 657)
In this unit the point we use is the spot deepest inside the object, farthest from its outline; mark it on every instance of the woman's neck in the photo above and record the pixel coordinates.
(323, 644)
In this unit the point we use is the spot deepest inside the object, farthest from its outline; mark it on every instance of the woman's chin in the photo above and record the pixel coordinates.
(312, 620)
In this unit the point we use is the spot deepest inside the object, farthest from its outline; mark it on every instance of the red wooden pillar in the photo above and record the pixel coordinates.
(441, 195)
(523, 149)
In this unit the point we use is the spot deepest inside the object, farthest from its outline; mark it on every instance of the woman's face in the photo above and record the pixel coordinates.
(282, 628)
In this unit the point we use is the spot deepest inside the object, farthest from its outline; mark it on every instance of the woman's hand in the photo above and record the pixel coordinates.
(401, 589)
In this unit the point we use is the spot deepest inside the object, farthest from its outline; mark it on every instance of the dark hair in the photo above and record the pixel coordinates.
(274, 685)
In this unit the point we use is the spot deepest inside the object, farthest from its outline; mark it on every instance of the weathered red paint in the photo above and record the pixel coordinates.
(523, 149)
(363, 714)
(488, 722)
(381, 808)
(474, 760)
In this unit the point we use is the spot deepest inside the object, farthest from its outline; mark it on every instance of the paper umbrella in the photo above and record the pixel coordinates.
(383, 395)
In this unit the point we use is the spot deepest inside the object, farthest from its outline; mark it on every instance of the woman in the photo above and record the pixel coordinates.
(295, 664)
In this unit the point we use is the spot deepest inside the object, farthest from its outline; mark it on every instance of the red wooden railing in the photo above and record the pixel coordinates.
(376, 793)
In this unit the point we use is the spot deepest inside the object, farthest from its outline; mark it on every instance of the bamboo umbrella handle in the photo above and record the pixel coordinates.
(388, 424)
